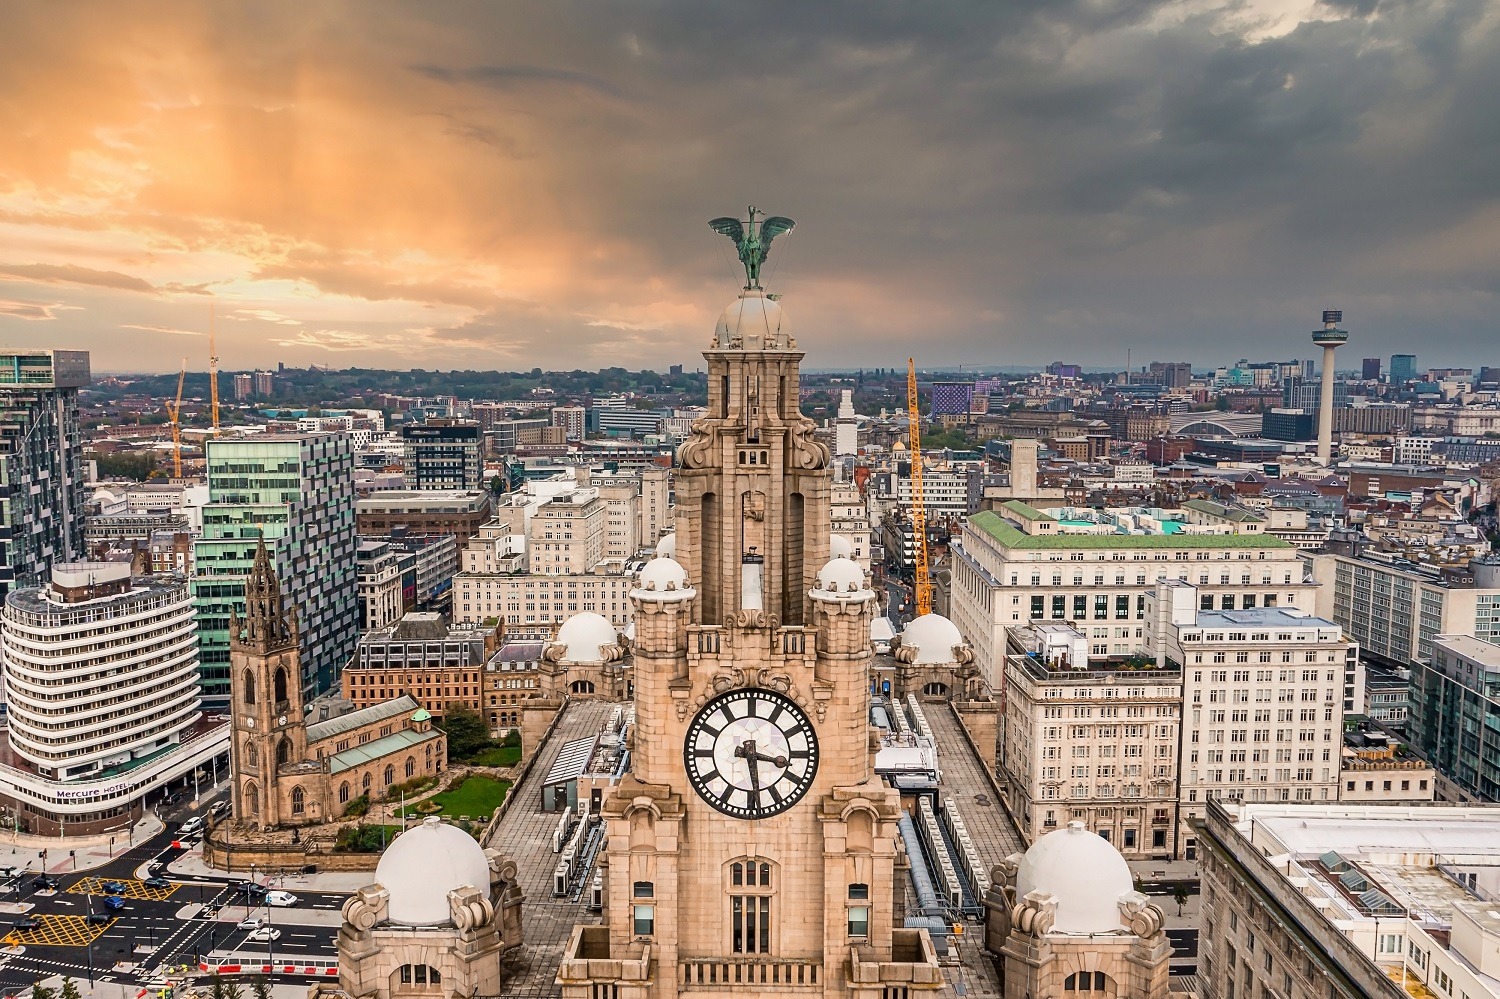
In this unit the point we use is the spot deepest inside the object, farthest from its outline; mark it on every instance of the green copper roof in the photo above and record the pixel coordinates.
(1026, 511)
(422, 715)
(993, 525)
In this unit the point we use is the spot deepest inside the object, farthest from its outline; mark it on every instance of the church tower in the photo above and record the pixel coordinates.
(270, 732)
(752, 846)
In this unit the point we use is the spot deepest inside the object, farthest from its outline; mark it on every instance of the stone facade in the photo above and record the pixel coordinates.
(288, 772)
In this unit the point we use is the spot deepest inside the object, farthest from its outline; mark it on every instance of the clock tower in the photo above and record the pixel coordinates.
(752, 846)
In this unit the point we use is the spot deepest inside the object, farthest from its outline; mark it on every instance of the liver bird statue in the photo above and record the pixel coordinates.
(753, 241)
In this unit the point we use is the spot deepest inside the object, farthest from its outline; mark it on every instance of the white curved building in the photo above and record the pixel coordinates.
(101, 677)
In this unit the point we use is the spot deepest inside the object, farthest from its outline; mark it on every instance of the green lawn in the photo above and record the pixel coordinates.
(476, 797)
(497, 756)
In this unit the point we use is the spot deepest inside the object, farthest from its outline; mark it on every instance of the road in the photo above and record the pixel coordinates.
(155, 928)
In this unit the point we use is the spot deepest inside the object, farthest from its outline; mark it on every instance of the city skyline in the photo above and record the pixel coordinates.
(470, 188)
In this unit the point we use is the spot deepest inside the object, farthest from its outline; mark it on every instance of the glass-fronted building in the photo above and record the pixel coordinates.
(1455, 716)
(296, 491)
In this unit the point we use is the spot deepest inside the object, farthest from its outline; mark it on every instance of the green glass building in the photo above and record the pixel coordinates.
(296, 491)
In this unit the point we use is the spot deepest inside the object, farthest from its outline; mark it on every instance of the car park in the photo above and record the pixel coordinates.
(280, 898)
(265, 933)
(252, 923)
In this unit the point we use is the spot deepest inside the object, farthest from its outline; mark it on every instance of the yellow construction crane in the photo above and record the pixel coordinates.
(174, 410)
(213, 372)
(922, 586)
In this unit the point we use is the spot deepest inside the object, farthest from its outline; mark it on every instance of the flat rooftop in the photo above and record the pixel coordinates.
(1010, 536)
(1484, 653)
(1261, 617)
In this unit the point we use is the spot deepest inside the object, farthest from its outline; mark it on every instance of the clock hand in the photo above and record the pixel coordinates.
(780, 761)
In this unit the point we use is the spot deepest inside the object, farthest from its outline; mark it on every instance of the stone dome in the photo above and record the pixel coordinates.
(752, 315)
(667, 546)
(841, 578)
(586, 634)
(663, 579)
(840, 546)
(932, 638)
(423, 865)
(1086, 875)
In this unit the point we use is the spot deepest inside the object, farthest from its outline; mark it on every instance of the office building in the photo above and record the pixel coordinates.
(1264, 690)
(1455, 716)
(1091, 741)
(244, 386)
(1370, 369)
(572, 420)
(297, 492)
(1017, 565)
(1348, 901)
(385, 575)
(952, 398)
(1403, 368)
(1378, 770)
(444, 454)
(41, 463)
(656, 504)
(1394, 608)
(460, 513)
(421, 656)
(1171, 374)
(102, 690)
(621, 495)
(435, 559)
(566, 535)
(618, 421)
(846, 430)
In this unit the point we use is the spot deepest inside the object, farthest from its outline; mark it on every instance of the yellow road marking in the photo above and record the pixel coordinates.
(58, 931)
(133, 888)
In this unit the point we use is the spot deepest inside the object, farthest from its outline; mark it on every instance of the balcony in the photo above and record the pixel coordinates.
(710, 973)
(588, 969)
(913, 966)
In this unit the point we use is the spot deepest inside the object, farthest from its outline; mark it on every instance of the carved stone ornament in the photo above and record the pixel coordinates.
(470, 909)
(806, 450)
(1035, 914)
(367, 907)
(697, 450)
(1141, 915)
(557, 652)
(754, 617)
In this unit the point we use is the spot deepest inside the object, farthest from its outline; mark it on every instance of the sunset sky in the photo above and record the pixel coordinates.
(506, 185)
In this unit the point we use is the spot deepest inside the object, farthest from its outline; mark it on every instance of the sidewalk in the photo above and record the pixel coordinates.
(22, 849)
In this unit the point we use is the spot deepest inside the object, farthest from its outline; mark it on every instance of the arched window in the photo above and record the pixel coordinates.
(344, 793)
(411, 766)
(935, 690)
(252, 799)
(419, 975)
(581, 687)
(751, 894)
(252, 755)
(368, 781)
(280, 684)
(249, 686)
(299, 800)
(390, 775)
(283, 752)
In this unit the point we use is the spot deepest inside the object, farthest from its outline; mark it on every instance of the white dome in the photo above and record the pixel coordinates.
(933, 637)
(841, 578)
(663, 579)
(423, 865)
(752, 315)
(585, 634)
(840, 546)
(1084, 873)
(667, 546)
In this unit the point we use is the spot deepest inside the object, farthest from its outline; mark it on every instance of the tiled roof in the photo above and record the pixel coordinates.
(376, 748)
(396, 707)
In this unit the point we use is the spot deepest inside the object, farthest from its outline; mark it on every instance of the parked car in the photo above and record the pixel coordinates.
(280, 898)
(113, 888)
(114, 903)
(252, 923)
(192, 825)
(157, 882)
(98, 919)
(265, 933)
(26, 924)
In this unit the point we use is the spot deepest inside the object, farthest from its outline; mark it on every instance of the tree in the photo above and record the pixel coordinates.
(232, 990)
(40, 991)
(135, 465)
(69, 989)
(1180, 896)
(218, 991)
(260, 987)
(468, 732)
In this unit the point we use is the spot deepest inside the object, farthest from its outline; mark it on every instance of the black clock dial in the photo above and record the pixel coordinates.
(751, 753)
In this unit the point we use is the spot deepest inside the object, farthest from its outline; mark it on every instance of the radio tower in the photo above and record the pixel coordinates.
(1330, 338)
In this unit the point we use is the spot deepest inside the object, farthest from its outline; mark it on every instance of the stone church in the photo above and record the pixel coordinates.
(752, 846)
(287, 771)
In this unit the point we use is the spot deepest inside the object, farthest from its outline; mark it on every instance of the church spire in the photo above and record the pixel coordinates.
(266, 626)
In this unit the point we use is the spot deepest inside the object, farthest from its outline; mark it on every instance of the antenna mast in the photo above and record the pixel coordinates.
(213, 371)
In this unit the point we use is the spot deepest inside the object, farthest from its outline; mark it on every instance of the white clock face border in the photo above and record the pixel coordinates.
(751, 753)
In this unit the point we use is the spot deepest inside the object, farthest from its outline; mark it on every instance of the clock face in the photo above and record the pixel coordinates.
(751, 753)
